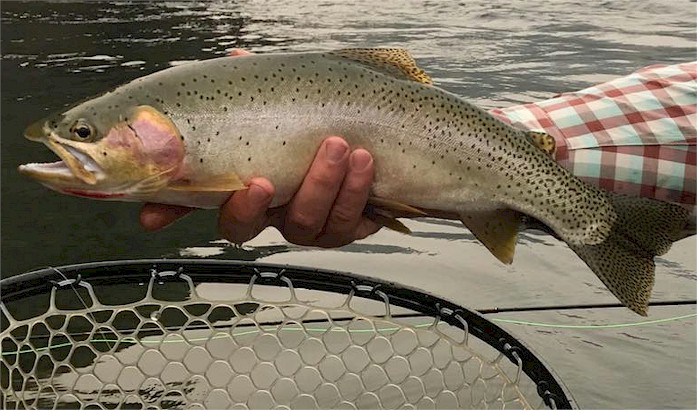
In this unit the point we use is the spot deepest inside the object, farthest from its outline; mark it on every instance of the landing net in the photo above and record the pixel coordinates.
(220, 334)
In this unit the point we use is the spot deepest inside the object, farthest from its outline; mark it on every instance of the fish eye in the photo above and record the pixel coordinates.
(82, 130)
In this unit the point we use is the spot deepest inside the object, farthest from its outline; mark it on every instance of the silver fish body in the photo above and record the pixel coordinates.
(266, 115)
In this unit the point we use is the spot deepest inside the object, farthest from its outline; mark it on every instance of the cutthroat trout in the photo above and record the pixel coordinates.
(193, 134)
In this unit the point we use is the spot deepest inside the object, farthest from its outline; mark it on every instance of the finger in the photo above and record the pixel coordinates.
(243, 216)
(347, 211)
(157, 216)
(308, 210)
(238, 52)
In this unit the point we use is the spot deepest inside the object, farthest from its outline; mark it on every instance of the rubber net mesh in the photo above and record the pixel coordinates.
(177, 344)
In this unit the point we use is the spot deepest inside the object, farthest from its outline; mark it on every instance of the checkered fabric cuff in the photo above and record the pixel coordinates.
(635, 135)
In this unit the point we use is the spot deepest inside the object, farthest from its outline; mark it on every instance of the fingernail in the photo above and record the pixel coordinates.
(336, 150)
(360, 160)
(257, 195)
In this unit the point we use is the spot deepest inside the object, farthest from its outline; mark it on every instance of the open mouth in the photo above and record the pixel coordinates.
(74, 164)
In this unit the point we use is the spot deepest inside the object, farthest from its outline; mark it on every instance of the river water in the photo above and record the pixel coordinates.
(493, 53)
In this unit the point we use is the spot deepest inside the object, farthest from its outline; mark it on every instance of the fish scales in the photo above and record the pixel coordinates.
(290, 103)
(195, 133)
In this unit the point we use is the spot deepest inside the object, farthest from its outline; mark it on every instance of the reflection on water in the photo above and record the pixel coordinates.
(494, 53)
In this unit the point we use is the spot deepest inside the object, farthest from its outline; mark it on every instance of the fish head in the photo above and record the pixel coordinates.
(129, 156)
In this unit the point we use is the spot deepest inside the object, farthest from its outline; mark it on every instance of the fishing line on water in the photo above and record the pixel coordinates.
(131, 340)
(595, 326)
(593, 306)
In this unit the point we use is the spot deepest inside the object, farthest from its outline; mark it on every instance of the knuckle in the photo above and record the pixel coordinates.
(356, 187)
(325, 181)
(342, 219)
(305, 224)
(247, 217)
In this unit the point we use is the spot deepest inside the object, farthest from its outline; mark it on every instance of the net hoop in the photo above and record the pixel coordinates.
(549, 386)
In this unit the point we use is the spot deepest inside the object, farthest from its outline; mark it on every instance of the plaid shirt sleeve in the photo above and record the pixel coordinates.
(634, 135)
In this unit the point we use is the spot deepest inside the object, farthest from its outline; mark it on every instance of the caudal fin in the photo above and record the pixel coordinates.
(624, 261)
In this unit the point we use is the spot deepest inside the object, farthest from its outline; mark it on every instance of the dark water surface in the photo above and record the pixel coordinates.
(495, 54)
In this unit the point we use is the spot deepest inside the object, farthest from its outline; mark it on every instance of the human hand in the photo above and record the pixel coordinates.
(326, 211)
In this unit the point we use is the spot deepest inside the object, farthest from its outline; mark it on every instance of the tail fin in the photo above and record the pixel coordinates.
(624, 261)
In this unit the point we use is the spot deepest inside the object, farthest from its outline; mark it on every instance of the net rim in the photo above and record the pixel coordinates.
(549, 384)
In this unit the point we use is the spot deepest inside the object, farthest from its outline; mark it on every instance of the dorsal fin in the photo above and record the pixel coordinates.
(543, 141)
(397, 62)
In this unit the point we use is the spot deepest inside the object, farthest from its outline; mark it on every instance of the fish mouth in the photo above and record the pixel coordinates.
(75, 166)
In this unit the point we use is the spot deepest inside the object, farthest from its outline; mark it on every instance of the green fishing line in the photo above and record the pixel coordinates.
(594, 326)
(131, 340)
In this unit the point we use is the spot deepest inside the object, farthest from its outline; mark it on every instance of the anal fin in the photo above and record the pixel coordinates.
(496, 229)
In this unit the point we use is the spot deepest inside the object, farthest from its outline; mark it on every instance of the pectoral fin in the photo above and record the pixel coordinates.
(396, 208)
(385, 212)
(543, 141)
(222, 183)
(389, 222)
(496, 229)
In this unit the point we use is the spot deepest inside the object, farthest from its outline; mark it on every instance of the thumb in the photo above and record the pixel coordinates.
(157, 216)
(243, 216)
